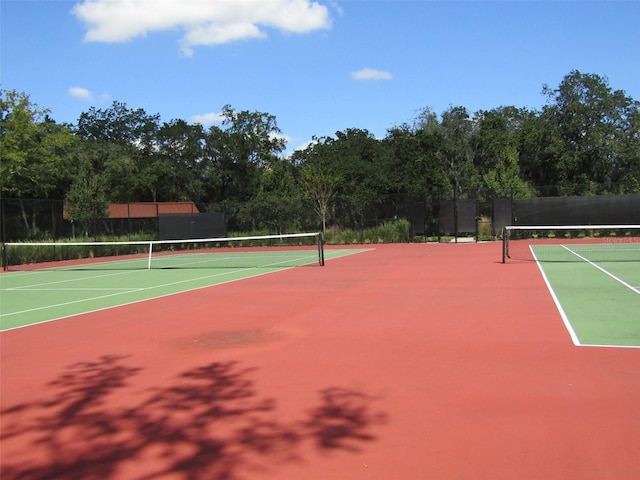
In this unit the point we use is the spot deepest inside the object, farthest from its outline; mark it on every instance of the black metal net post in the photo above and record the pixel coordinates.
(321, 249)
(505, 244)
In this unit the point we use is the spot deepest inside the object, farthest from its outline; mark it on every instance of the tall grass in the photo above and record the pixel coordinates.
(396, 231)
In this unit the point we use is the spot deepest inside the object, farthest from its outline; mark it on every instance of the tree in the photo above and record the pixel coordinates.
(254, 137)
(495, 142)
(86, 202)
(123, 142)
(504, 181)
(177, 162)
(418, 155)
(119, 124)
(320, 186)
(235, 153)
(36, 152)
(278, 201)
(457, 128)
(596, 131)
(539, 147)
(628, 167)
(495, 132)
(362, 164)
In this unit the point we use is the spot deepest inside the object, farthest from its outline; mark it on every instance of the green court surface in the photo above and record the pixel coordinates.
(41, 295)
(599, 300)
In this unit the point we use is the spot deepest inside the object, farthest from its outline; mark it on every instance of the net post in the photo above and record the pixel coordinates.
(150, 252)
(321, 249)
(504, 245)
(5, 263)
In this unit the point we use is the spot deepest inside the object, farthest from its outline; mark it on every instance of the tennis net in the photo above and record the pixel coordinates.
(265, 251)
(576, 243)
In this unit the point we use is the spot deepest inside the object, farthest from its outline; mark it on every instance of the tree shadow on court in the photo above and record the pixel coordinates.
(342, 420)
(210, 422)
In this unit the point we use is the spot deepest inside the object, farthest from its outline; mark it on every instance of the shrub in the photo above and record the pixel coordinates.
(396, 231)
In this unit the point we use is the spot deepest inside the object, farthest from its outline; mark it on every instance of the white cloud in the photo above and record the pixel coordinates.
(371, 74)
(81, 93)
(204, 22)
(207, 119)
(305, 145)
(88, 96)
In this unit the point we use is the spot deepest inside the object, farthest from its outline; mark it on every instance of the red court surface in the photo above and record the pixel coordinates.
(411, 361)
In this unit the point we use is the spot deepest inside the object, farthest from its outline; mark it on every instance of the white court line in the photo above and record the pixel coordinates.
(71, 280)
(609, 346)
(174, 266)
(27, 289)
(309, 258)
(71, 268)
(258, 274)
(64, 304)
(133, 290)
(139, 301)
(617, 279)
(563, 315)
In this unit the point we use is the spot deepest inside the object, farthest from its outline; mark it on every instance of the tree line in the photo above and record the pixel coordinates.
(585, 140)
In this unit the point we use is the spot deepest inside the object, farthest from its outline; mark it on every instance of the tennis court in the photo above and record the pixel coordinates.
(63, 289)
(410, 361)
(593, 275)
(597, 294)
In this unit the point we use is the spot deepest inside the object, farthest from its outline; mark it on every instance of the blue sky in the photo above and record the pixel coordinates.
(318, 66)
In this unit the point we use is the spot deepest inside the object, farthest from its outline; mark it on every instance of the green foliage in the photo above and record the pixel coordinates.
(86, 201)
(591, 138)
(122, 145)
(320, 186)
(35, 156)
(389, 232)
(178, 165)
(584, 141)
(394, 232)
(504, 180)
(278, 198)
(353, 166)
(36, 152)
